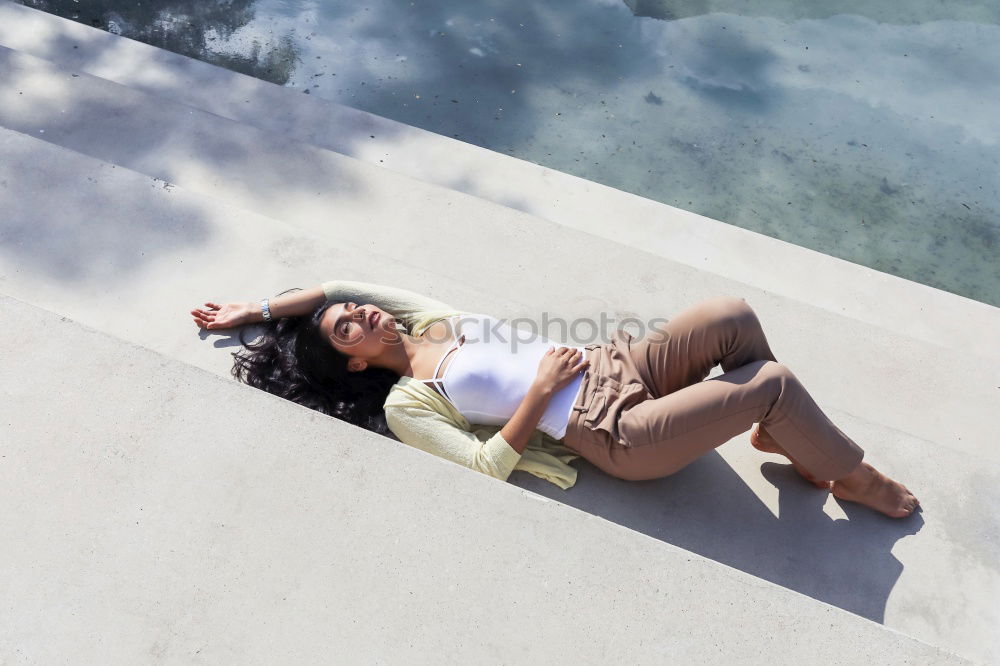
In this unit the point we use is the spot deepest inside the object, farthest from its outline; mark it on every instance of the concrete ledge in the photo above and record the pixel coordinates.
(767, 264)
(129, 255)
(144, 525)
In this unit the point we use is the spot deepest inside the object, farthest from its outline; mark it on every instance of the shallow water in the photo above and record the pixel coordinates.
(867, 133)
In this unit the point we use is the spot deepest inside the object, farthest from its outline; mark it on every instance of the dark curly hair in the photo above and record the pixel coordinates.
(291, 359)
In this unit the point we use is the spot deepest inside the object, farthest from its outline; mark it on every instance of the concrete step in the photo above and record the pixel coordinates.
(141, 524)
(337, 198)
(129, 255)
(766, 263)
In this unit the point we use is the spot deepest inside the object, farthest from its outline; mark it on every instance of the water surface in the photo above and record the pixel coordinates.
(862, 129)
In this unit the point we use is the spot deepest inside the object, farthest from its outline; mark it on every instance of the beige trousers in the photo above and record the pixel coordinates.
(645, 409)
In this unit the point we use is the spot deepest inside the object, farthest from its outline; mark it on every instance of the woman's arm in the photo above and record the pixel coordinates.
(525, 420)
(406, 306)
(411, 309)
(301, 302)
(557, 368)
(292, 304)
(423, 428)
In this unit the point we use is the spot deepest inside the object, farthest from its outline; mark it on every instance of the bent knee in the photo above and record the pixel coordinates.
(775, 372)
(731, 307)
(729, 312)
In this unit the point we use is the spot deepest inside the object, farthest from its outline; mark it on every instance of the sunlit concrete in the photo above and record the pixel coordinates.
(157, 513)
(766, 263)
(128, 255)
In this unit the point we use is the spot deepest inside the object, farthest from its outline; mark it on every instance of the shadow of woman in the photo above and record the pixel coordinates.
(226, 339)
(707, 509)
(846, 563)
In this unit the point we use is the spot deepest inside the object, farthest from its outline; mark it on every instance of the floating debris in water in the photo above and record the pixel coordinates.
(654, 99)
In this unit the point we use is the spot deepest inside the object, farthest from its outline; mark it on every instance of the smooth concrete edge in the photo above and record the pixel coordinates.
(243, 562)
(745, 256)
(194, 242)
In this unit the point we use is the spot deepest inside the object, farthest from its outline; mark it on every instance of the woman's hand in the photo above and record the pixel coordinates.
(558, 367)
(214, 316)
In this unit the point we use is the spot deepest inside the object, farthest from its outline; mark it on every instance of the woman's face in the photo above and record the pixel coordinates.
(361, 332)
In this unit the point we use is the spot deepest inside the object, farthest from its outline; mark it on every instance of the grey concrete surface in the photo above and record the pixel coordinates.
(766, 263)
(129, 255)
(342, 200)
(156, 513)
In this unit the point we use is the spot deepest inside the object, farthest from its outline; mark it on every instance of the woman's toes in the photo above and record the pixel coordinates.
(872, 488)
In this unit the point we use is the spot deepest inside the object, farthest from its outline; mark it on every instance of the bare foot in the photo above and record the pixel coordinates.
(762, 441)
(866, 485)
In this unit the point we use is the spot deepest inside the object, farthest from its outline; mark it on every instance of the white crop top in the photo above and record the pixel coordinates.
(492, 369)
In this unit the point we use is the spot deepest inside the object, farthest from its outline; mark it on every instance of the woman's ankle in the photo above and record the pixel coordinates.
(862, 475)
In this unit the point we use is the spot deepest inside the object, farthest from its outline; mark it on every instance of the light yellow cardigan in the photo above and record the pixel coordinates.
(419, 416)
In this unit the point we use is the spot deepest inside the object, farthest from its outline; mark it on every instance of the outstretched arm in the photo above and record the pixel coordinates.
(407, 306)
(296, 303)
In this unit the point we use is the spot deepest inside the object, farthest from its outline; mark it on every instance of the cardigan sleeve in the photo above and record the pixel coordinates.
(406, 306)
(433, 432)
